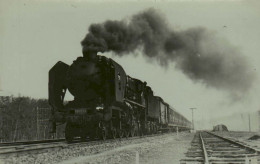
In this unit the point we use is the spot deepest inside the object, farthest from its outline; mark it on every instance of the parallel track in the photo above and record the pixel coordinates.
(209, 148)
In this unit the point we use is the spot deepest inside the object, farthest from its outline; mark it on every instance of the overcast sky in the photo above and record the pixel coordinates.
(34, 35)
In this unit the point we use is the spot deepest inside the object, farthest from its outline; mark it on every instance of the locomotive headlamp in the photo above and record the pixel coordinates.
(100, 107)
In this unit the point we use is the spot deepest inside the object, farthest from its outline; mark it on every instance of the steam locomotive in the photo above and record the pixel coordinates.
(107, 102)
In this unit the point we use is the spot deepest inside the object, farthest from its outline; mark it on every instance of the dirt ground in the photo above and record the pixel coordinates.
(164, 149)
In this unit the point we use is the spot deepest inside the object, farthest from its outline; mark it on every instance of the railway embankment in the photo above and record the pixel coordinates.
(160, 148)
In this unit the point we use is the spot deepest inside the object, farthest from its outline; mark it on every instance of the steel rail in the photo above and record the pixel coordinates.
(5, 144)
(205, 154)
(31, 149)
(236, 143)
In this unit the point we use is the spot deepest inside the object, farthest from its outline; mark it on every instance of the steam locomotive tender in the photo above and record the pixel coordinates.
(107, 102)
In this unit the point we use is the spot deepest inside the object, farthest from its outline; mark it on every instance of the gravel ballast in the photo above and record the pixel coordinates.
(168, 148)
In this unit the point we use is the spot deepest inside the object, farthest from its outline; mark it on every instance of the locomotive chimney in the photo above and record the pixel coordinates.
(89, 54)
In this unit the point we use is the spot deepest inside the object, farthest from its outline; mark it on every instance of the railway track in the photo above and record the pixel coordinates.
(36, 147)
(209, 148)
(5, 144)
(15, 148)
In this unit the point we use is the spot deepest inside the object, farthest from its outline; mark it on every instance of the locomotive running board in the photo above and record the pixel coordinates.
(132, 102)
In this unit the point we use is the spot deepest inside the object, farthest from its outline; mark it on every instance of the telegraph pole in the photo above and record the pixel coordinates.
(192, 118)
(249, 122)
(37, 120)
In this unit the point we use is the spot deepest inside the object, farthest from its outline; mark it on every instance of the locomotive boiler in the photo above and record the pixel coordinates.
(107, 102)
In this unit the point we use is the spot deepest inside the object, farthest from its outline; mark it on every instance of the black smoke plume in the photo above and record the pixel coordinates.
(197, 52)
